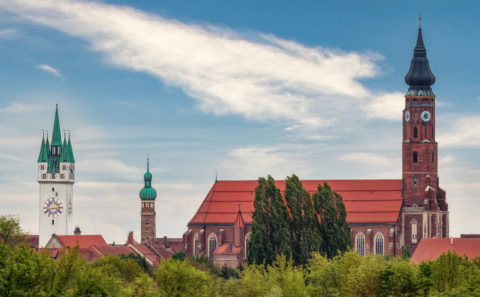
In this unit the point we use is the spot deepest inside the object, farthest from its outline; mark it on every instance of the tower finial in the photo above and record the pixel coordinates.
(419, 21)
(239, 206)
(43, 133)
(148, 162)
(216, 175)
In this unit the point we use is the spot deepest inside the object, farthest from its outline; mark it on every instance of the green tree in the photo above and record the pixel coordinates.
(178, 278)
(270, 225)
(304, 236)
(10, 232)
(333, 226)
(399, 278)
(405, 252)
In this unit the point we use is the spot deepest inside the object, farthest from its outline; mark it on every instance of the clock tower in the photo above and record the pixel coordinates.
(56, 176)
(147, 204)
(424, 209)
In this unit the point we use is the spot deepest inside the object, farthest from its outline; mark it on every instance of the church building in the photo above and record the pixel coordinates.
(384, 214)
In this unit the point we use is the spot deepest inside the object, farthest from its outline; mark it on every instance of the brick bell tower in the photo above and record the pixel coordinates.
(424, 209)
(147, 197)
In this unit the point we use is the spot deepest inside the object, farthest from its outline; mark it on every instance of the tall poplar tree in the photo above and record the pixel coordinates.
(333, 226)
(304, 235)
(270, 232)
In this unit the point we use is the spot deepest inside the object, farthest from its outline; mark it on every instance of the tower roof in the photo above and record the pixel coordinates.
(148, 193)
(70, 157)
(56, 137)
(420, 76)
(64, 155)
(41, 155)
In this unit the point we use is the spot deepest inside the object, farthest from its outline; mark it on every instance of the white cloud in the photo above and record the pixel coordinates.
(258, 76)
(461, 132)
(369, 158)
(385, 106)
(50, 69)
(14, 108)
(7, 32)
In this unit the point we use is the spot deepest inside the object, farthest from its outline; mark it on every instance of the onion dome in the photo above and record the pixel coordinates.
(420, 76)
(148, 193)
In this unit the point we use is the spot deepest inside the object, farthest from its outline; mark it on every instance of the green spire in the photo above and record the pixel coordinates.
(47, 147)
(148, 193)
(56, 137)
(65, 154)
(41, 155)
(70, 159)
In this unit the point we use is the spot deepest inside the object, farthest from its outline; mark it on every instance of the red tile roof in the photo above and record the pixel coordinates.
(431, 248)
(83, 241)
(366, 201)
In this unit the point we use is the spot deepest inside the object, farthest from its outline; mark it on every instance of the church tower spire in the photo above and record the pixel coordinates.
(147, 197)
(425, 211)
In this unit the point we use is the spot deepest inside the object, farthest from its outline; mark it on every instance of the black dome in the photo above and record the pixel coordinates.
(420, 76)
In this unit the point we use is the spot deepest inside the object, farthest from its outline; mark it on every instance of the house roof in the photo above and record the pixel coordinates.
(366, 201)
(83, 241)
(431, 248)
(228, 249)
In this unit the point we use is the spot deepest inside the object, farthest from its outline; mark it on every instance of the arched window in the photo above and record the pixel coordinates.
(212, 244)
(247, 243)
(433, 157)
(415, 157)
(415, 181)
(379, 243)
(415, 130)
(195, 245)
(360, 243)
(414, 231)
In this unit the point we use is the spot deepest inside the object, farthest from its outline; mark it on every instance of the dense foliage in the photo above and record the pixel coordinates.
(26, 272)
(298, 225)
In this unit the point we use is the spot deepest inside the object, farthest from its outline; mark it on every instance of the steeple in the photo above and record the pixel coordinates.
(57, 136)
(65, 153)
(70, 159)
(148, 193)
(41, 155)
(420, 76)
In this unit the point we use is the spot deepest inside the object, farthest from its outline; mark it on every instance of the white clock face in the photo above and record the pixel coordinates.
(407, 116)
(52, 208)
(426, 116)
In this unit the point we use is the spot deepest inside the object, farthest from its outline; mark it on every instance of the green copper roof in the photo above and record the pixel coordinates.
(56, 137)
(41, 155)
(71, 159)
(148, 193)
(65, 153)
(47, 147)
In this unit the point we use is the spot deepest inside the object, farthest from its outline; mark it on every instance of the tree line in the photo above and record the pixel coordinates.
(296, 224)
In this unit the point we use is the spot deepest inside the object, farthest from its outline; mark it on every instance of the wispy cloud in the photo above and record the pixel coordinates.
(463, 132)
(50, 69)
(14, 107)
(258, 76)
(7, 32)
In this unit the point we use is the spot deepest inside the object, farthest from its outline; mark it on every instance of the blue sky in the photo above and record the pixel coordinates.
(245, 88)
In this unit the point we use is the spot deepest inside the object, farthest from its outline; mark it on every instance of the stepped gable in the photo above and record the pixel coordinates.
(366, 201)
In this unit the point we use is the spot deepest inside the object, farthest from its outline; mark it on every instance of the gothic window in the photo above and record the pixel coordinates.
(195, 245)
(379, 244)
(147, 221)
(433, 157)
(360, 243)
(247, 243)
(415, 181)
(415, 157)
(414, 231)
(415, 130)
(212, 244)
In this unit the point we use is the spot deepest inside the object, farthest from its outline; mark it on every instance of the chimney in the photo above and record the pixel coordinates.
(77, 231)
(130, 238)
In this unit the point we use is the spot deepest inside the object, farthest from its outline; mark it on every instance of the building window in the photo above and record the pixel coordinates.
(247, 243)
(415, 181)
(433, 157)
(62, 176)
(195, 245)
(414, 231)
(212, 244)
(147, 221)
(415, 131)
(415, 157)
(64, 167)
(44, 176)
(379, 244)
(360, 244)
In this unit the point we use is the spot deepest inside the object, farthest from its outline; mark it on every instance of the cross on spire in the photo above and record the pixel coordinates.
(420, 21)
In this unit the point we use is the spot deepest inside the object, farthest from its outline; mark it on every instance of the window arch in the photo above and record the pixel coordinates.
(415, 157)
(195, 244)
(379, 243)
(212, 244)
(414, 230)
(360, 243)
(247, 243)
(415, 130)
